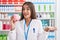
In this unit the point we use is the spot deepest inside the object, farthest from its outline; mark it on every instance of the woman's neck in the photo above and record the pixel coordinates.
(27, 21)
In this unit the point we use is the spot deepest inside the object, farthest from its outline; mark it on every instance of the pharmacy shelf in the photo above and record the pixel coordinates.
(32, 2)
(13, 4)
(4, 19)
(4, 32)
(43, 2)
(45, 12)
(11, 12)
(46, 18)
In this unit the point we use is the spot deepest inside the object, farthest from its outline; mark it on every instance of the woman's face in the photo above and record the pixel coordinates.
(26, 12)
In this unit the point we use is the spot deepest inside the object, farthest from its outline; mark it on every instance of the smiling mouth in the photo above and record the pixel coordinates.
(25, 14)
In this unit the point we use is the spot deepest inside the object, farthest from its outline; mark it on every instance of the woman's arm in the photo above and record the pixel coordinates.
(42, 35)
(12, 23)
(12, 33)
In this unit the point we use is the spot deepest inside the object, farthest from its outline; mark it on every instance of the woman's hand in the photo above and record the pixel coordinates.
(14, 19)
(51, 29)
(12, 23)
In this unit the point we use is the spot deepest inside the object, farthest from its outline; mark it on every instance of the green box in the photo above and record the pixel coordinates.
(5, 37)
(1, 38)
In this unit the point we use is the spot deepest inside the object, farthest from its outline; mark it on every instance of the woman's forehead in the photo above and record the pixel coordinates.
(25, 6)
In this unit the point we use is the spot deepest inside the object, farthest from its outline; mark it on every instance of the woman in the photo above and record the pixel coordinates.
(29, 28)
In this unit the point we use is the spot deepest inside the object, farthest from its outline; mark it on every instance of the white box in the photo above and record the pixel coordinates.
(0, 25)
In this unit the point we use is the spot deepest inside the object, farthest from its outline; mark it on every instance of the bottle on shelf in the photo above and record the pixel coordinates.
(44, 7)
(39, 8)
(52, 15)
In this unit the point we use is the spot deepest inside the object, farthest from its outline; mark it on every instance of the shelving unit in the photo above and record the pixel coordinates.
(45, 11)
(7, 9)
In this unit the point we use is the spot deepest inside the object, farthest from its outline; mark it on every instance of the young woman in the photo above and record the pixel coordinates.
(29, 28)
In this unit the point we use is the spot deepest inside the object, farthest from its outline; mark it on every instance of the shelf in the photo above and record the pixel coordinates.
(4, 31)
(10, 12)
(4, 19)
(13, 4)
(46, 18)
(43, 2)
(44, 12)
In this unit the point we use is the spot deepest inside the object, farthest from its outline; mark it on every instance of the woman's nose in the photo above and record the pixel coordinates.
(25, 11)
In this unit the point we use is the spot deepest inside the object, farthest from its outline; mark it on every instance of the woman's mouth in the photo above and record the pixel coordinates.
(25, 14)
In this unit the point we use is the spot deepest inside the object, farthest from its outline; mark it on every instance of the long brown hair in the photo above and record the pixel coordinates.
(32, 9)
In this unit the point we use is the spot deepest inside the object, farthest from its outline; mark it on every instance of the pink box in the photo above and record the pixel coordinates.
(6, 26)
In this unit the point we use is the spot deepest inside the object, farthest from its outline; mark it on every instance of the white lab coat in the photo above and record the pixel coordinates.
(39, 33)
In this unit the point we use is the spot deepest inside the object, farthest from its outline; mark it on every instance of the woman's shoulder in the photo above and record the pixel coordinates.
(36, 23)
(36, 20)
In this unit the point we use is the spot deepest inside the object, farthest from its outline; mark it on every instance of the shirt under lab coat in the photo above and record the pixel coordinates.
(18, 33)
